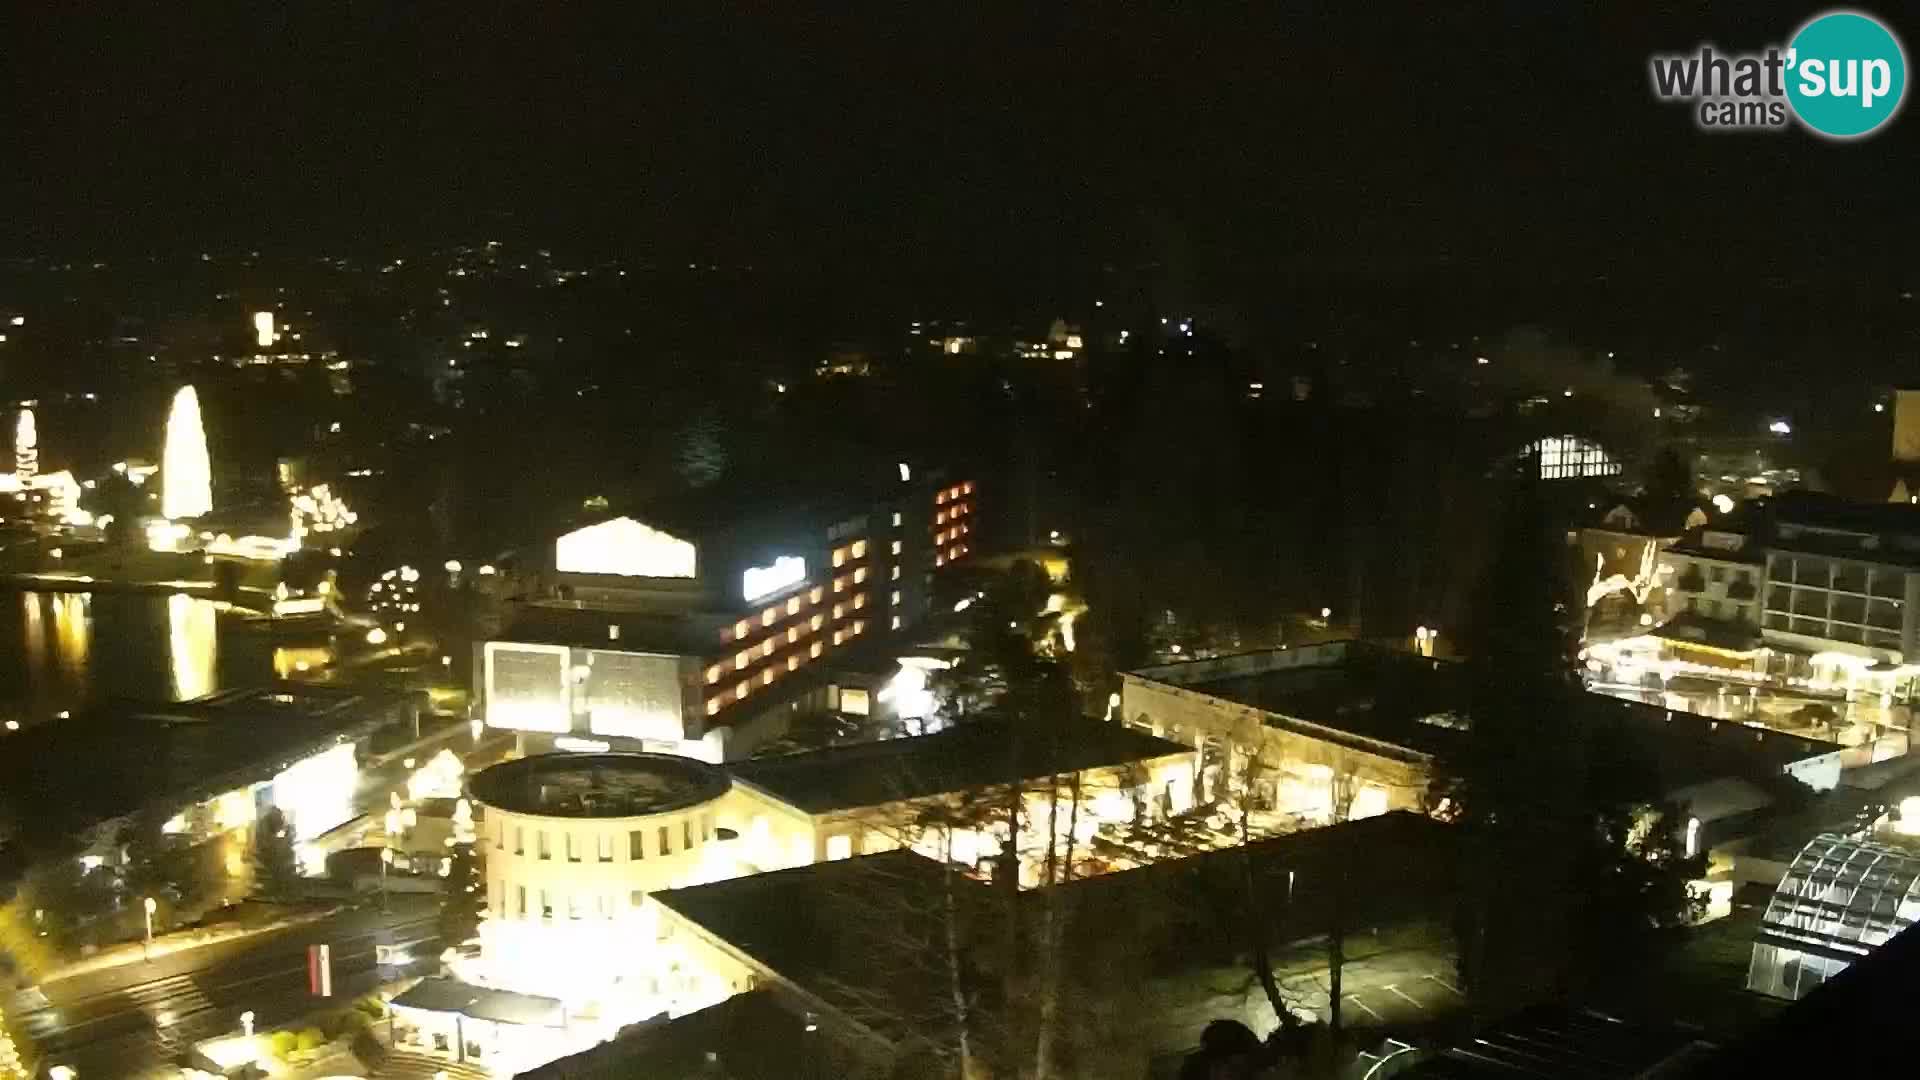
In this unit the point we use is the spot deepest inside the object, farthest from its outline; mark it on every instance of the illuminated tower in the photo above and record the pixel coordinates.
(26, 450)
(186, 476)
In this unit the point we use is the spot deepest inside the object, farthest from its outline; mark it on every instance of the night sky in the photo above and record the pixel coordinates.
(1512, 143)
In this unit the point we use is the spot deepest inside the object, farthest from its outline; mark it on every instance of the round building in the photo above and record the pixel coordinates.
(574, 844)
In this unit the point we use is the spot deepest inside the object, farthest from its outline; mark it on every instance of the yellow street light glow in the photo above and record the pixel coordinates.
(376, 636)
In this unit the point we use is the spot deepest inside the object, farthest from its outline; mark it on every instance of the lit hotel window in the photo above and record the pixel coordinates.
(815, 651)
(742, 690)
(896, 573)
(940, 518)
(740, 629)
(896, 519)
(940, 498)
(793, 663)
(713, 674)
(838, 611)
(896, 596)
(793, 606)
(766, 677)
(740, 659)
(859, 627)
(713, 707)
(859, 601)
(814, 623)
(896, 547)
(767, 616)
(896, 622)
(838, 637)
(839, 585)
(793, 634)
(967, 487)
(814, 596)
(860, 575)
(939, 560)
(859, 549)
(839, 556)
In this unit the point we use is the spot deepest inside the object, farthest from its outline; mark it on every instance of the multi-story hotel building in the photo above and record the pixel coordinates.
(693, 631)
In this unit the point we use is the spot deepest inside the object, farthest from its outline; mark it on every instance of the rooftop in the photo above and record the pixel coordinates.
(607, 785)
(61, 778)
(1381, 700)
(749, 1036)
(442, 994)
(581, 627)
(966, 756)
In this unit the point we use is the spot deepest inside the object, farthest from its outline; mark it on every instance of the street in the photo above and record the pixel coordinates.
(134, 1020)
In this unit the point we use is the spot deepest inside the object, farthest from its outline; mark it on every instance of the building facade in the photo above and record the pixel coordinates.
(687, 635)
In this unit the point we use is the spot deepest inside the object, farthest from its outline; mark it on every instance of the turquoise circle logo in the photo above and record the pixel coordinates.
(1846, 74)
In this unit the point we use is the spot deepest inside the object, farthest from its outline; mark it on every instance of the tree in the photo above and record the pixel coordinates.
(276, 869)
(160, 865)
(463, 893)
(1558, 835)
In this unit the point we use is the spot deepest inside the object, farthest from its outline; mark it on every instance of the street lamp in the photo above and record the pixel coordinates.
(146, 947)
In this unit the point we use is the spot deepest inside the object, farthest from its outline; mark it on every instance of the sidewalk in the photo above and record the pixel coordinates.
(180, 941)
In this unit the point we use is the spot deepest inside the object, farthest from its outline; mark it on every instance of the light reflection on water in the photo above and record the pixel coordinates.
(66, 651)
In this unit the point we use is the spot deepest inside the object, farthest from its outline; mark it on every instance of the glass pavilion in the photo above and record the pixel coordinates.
(1839, 901)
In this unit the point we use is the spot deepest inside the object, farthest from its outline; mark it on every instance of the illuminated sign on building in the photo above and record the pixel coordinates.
(786, 572)
(623, 547)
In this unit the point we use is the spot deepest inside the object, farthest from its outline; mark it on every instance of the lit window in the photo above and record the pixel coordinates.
(855, 701)
(940, 518)
(896, 596)
(859, 627)
(839, 556)
(939, 498)
(814, 596)
(815, 651)
(939, 560)
(896, 519)
(793, 634)
(839, 610)
(742, 690)
(766, 677)
(814, 623)
(713, 707)
(839, 847)
(740, 659)
(896, 573)
(839, 585)
(859, 601)
(793, 663)
(838, 637)
(859, 549)
(860, 575)
(793, 606)
(740, 629)
(968, 487)
(713, 674)
(896, 622)
(767, 616)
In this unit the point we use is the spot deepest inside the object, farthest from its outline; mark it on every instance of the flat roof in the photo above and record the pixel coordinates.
(605, 785)
(1374, 693)
(438, 993)
(812, 927)
(974, 754)
(61, 778)
(585, 627)
(750, 1036)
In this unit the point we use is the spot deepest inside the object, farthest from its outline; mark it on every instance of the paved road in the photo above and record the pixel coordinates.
(132, 1020)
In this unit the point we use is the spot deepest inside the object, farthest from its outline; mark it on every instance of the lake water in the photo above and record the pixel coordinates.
(66, 651)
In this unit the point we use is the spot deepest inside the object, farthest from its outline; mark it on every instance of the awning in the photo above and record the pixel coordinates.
(445, 995)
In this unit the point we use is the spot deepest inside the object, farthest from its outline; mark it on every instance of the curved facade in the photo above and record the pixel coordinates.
(575, 843)
(1839, 901)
